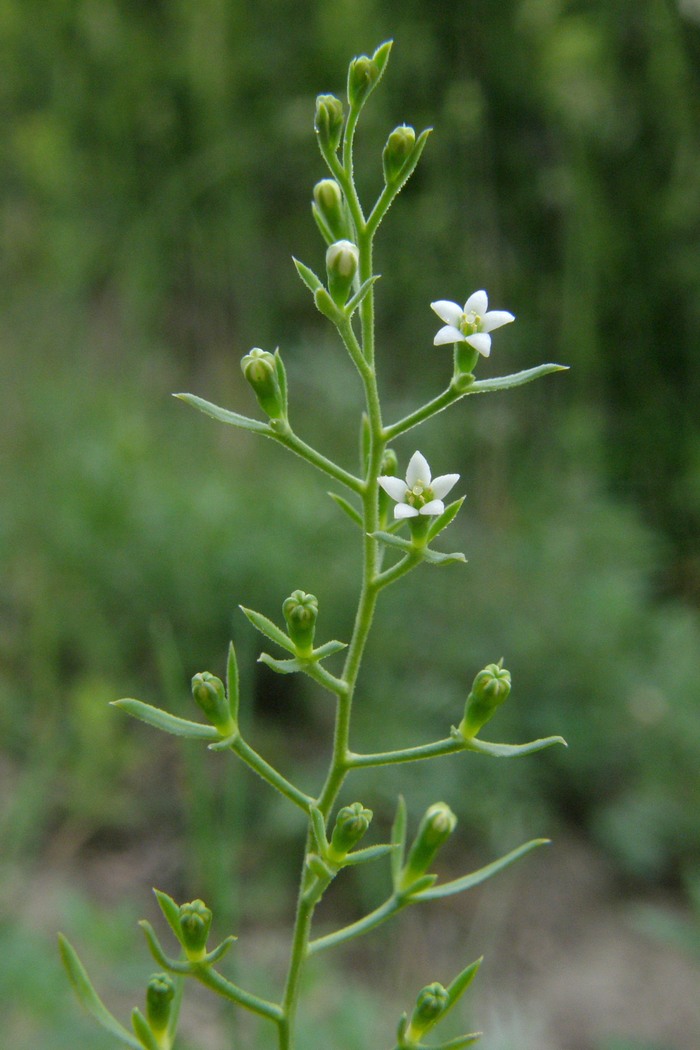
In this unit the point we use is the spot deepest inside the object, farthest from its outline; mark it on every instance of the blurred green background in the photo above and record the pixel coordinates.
(156, 165)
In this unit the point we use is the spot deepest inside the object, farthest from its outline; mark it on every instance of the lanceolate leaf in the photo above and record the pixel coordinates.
(224, 415)
(312, 282)
(232, 690)
(281, 666)
(328, 649)
(89, 998)
(351, 512)
(155, 716)
(398, 839)
(437, 558)
(485, 747)
(487, 386)
(170, 910)
(448, 515)
(394, 541)
(143, 1030)
(269, 629)
(447, 889)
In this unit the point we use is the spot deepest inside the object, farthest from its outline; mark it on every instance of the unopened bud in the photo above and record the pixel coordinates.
(362, 76)
(260, 369)
(432, 1001)
(328, 200)
(300, 611)
(435, 828)
(490, 689)
(350, 825)
(159, 996)
(328, 121)
(209, 693)
(195, 923)
(398, 149)
(342, 259)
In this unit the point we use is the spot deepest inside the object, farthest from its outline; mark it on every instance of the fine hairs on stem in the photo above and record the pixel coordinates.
(398, 514)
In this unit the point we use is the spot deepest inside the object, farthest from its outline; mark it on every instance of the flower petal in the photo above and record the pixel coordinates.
(495, 319)
(418, 471)
(478, 302)
(435, 507)
(394, 487)
(448, 312)
(442, 485)
(402, 510)
(448, 334)
(481, 342)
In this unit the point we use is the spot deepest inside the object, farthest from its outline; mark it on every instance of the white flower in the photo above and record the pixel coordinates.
(471, 324)
(418, 494)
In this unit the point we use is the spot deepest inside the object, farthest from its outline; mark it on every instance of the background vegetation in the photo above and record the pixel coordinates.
(156, 169)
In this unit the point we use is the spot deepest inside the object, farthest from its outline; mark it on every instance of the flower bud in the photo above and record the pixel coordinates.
(398, 149)
(342, 260)
(435, 828)
(260, 369)
(350, 825)
(432, 1001)
(328, 200)
(300, 610)
(489, 690)
(390, 465)
(362, 76)
(208, 692)
(328, 121)
(159, 997)
(195, 923)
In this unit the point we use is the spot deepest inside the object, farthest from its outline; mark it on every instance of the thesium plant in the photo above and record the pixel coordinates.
(400, 513)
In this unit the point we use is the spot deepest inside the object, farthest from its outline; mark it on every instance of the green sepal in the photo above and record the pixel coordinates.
(360, 856)
(310, 279)
(88, 997)
(281, 666)
(446, 518)
(281, 379)
(486, 747)
(487, 386)
(155, 716)
(328, 649)
(232, 688)
(398, 840)
(171, 912)
(269, 629)
(344, 505)
(224, 415)
(475, 878)
(360, 295)
(437, 558)
(143, 1030)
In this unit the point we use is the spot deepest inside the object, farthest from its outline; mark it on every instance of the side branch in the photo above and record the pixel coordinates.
(269, 774)
(448, 746)
(295, 444)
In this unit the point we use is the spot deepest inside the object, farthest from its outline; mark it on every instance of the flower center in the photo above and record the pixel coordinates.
(470, 323)
(419, 495)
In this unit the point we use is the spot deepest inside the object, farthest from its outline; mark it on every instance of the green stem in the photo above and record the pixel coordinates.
(221, 986)
(447, 397)
(291, 441)
(448, 746)
(270, 774)
(395, 572)
(356, 929)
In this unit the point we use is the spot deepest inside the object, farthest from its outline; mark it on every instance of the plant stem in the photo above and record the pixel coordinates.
(448, 746)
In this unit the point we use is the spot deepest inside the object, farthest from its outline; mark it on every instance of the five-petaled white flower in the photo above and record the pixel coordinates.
(471, 324)
(418, 494)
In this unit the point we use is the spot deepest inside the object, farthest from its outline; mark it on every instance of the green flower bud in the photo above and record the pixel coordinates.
(159, 997)
(390, 465)
(195, 923)
(342, 259)
(432, 1001)
(489, 690)
(398, 149)
(209, 693)
(328, 200)
(435, 828)
(300, 610)
(328, 121)
(362, 76)
(260, 369)
(350, 825)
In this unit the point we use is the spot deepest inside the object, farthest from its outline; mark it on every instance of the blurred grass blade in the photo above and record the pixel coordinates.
(89, 998)
(155, 716)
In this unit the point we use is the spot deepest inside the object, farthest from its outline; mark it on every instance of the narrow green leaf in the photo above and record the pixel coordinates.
(155, 716)
(232, 689)
(281, 666)
(220, 950)
(351, 512)
(312, 282)
(361, 294)
(170, 910)
(485, 747)
(88, 997)
(487, 386)
(413, 160)
(281, 377)
(269, 629)
(381, 57)
(175, 1007)
(448, 515)
(157, 952)
(398, 839)
(323, 228)
(360, 856)
(461, 982)
(143, 1030)
(437, 558)
(415, 891)
(460, 1042)
(394, 541)
(467, 882)
(224, 415)
(319, 828)
(328, 649)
